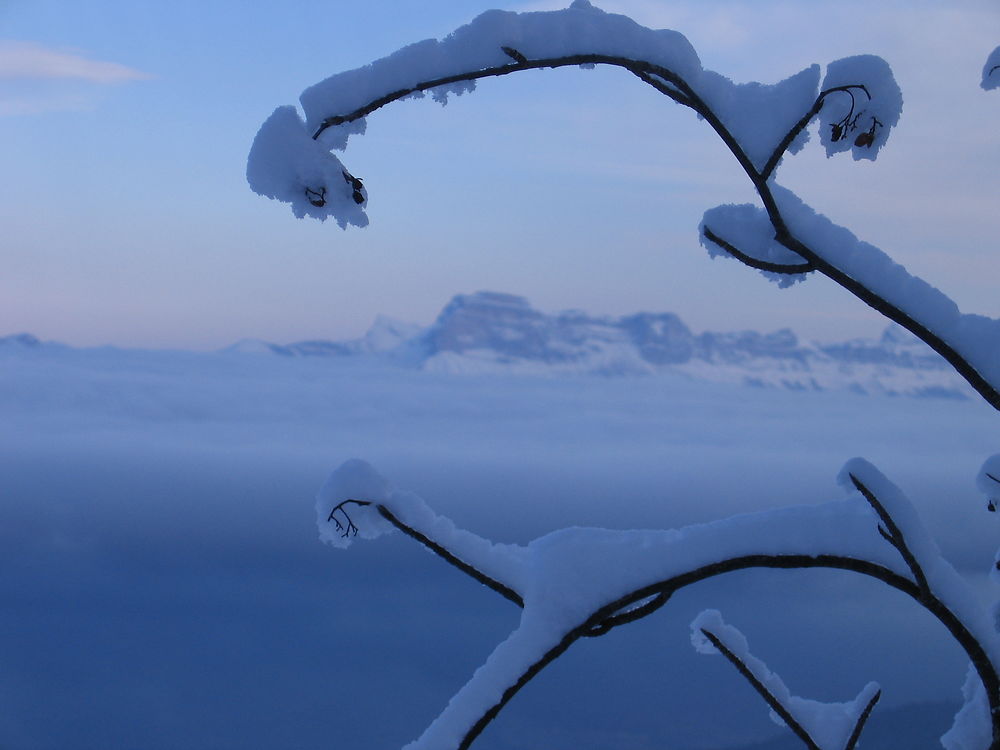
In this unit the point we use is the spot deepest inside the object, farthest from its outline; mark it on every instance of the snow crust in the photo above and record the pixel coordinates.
(991, 71)
(829, 724)
(566, 576)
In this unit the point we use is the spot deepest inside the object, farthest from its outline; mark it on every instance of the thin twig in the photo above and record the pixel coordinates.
(502, 589)
(860, 725)
(760, 265)
(791, 135)
(892, 534)
(776, 705)
(351, 527)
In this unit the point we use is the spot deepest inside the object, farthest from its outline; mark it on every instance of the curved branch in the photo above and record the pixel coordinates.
(975, 651)
(349, 528)
(760, 265)
(505, 591)
(791, 135)
(761, 688)
(641, 68)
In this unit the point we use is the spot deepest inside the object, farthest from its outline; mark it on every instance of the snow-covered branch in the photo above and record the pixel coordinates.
(821, 726)
(577, 583)
(858, 105)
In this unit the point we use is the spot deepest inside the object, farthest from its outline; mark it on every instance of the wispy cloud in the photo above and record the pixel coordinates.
(29, 60)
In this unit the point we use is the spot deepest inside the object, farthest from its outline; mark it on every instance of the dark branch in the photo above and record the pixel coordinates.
(860, 725)
(663, 87)
(892, 534)
(791, 135)
(437, 549)
(995, 67)
(761, 688)
(982, 386)
(760, 265)
(640, 67)
(993, 477)
(629, 615)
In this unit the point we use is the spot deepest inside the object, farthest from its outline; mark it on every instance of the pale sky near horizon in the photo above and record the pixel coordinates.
(127, 219)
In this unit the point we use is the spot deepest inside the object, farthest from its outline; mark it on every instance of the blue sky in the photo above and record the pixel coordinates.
(127, 219)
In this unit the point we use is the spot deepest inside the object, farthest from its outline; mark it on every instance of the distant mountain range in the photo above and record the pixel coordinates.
(494, 333)
(490, 332)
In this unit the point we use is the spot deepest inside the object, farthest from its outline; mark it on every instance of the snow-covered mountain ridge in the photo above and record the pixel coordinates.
(502, 334)
(491, 332)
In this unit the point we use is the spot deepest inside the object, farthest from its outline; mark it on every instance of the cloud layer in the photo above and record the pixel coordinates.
(29, 60)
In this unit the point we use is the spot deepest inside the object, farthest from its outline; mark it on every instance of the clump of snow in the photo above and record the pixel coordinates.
(991, 71)
(829, 724)
(286, 164)
(748, 228)
(353, 480)
(759, 115)
(854, 120)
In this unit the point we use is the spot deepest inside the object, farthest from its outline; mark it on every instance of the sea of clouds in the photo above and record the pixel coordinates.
(165, 585)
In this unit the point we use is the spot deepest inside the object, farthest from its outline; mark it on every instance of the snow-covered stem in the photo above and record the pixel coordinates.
(778, 707)
(749, 260)
(759, 686)
(505, 591)
(893, 535)
(862, 720)
(803, 123)
(643, 70)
